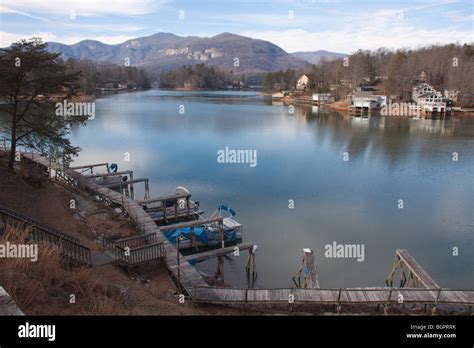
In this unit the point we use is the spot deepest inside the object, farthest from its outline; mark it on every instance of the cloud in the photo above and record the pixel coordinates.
(348, 41)
(4, 9)
(6, 39)
(83, 7)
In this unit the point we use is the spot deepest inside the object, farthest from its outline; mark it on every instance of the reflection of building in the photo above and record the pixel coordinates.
(443, 127)
(428, 98)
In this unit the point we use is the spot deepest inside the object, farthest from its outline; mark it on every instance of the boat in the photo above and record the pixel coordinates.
(208, 235)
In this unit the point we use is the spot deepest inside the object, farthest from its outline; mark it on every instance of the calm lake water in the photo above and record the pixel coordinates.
(300, 158)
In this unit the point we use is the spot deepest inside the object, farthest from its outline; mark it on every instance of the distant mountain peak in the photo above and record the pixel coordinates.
(167, 51)
(314, 57)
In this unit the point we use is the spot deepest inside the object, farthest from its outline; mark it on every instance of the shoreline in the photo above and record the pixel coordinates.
(346, 108)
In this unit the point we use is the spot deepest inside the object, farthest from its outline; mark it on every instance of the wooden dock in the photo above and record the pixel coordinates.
(188, 277)
(307, 271)
(200, 292)
(411, 273)
(370, 295)
(210, 254)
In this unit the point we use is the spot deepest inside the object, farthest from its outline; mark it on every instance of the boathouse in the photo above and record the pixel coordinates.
(322, 98)
(368, 100)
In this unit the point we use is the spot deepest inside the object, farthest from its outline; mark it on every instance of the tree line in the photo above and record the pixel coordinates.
(446, 66)
(100, 74)
(198, 76)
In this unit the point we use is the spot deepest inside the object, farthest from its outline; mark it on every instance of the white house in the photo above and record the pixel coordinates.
(428, 98)
(368, 100)
(303, 82)
(322, 98)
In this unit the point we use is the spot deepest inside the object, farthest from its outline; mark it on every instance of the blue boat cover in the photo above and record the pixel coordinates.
(199, 233)
(208, 237)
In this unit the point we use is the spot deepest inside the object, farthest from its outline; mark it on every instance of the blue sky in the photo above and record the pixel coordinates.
(294, 25)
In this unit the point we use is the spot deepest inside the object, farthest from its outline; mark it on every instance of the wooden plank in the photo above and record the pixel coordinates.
(190, 223)
(164, 198)
(217, 252)
(411, 263)
(89, 166)
(104, 175)
(124, 183)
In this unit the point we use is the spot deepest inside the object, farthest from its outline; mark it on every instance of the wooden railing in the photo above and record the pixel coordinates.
(130, 257)
(71, 251)
(131, 242)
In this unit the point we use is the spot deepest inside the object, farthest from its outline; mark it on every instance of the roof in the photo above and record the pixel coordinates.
(363, 94)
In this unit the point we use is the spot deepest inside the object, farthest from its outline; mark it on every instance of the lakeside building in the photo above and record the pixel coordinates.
(305, 81)
(367, 99)
(428, 98)
(322, 98)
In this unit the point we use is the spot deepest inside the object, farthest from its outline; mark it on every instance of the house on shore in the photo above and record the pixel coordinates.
(368, 100)
(428, 98)
(304, 82)
(321, 98)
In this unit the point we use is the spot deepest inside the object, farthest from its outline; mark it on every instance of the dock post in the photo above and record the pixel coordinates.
(163, 208)
(339, 307)
(176, 210)
(221, 230)
(187, 208)
(251, 264)
(220, 268)
(193, 238)
(147, 189)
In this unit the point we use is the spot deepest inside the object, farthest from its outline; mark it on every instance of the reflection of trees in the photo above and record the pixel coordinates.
(394, 138)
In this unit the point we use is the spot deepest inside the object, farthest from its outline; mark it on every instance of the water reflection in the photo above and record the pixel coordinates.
(300, 157)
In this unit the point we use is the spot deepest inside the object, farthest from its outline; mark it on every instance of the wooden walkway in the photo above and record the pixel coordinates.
(188, 277)
(192, 281)
(368, 295)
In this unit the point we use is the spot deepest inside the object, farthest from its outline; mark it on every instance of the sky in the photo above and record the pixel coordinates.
(295, 25)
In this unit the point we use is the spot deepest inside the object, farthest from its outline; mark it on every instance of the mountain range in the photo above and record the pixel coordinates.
(316, 56)
(166, 51)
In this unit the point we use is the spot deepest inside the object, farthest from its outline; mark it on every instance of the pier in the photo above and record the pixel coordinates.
(193, 283)
(411, 273)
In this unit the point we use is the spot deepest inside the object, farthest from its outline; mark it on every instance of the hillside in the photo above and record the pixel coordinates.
(316, 56)
(165, 51)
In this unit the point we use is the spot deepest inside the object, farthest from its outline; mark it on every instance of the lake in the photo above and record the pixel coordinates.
(173, 138)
